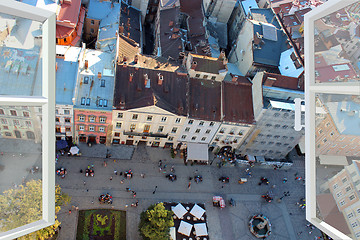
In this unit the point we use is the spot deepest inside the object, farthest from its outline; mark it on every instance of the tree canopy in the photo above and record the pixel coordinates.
(23, 205)
(155, 223)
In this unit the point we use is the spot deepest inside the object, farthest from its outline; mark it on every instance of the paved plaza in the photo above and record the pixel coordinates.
(231, 223)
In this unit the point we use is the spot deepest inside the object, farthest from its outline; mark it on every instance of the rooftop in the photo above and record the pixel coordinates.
(269, 51)
(345, 114)
(208, 64)
(265, 15)
(205, 99)
(130, 20)
(237, 101)
(66, 72)
(248, 4)
(95, 84)
(140, 87)
(289, 64)
(280, 81)
(170, 33)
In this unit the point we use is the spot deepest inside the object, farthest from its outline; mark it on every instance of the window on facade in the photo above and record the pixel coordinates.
(7, 134)
(170, 138)
(161, 128)
(88, 102)
(183, 136)
(81, 127)
(211, 124)
(3, 121)
(193, 138)
(191, 122)
(82, 101)
(91, 128)
(118, 124)
(344, 180)
(66, 112)
(354, 224)
(13, 113)
(350, 215)
(28, 123)
(201, 123)
(339, 194)
(213, 77)
(117, 134)
(197, 75)
(26, 114)
(1, 111)
(67, 129)
(207, 131)
(16, 122)
(205, 76)
(120, 115)
(91, 119)
(67, 120)
(102, 119)
(320, 131)
(348, 188)
(222, 130)
(174, 130)
(102, 84)
(197, 130)
(163, 119)
(92, 30)
(81, 118)
(187, 129)
(105, 103)
(57, 119)
(132, 127)
(92, 22)
(352, 197)
(100, 102)
(101, 129)
(135, 116)
(203, 138)
(177, 120)
(86, 80)
(149, 118)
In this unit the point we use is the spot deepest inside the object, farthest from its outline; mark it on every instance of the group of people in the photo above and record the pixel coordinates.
(61, 172)
(264, 180)
(105, 198)
(171, 177)
(89, 171)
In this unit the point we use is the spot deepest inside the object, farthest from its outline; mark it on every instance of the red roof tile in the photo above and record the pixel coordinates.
(70, 12)
(282, 81)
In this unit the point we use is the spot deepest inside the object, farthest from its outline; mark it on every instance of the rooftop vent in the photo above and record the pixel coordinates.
(146, 78)
(235, 78)
(160, 79)
(99, 75)
(86, 64)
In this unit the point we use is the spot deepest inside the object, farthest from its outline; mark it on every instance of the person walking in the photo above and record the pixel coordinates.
(189, 185)
(115, 172)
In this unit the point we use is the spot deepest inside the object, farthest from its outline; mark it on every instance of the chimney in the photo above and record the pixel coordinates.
(86, 64)
(160, 79)
(235, 78)
(222, 55)
(269, 81)
(136, 58)
(121, 29)
(193, 65)
(99, 74)
(131, 77)
(146, 79)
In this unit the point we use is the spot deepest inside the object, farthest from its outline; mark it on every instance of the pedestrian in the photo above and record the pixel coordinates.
(69, 212)
(115, 172)
(189, 185)
(299, 233)
(142, 175)
(92, 202)
(105, 164)
(284, 180)
(92, 165)
(121, 173)
(81, 171)
(310, 232)
(134, 195)
(155, 190)
(84, 183)
(273, 186)
(88, 166)
(110, 178)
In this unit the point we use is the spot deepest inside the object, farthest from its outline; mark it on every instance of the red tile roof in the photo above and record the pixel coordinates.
(237, 101)
(282, 82)
(69, 12)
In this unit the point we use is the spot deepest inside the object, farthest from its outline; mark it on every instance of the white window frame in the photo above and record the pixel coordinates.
(311, 89)
(47, 102)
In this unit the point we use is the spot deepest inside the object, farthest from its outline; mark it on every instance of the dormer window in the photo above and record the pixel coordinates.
(86, 80)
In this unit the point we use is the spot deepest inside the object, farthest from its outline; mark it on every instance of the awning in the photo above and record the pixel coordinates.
(197, 152)
(197, 211)
(185, 228)
(200, 229)
(74, 150)
(179, 210)
(61, 144)
(333, 160)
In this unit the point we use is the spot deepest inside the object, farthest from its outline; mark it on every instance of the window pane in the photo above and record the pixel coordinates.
(20, 59)
(21, 164)
(336, 47)
(337, 168)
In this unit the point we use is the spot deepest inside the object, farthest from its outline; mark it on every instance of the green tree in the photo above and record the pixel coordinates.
(155, 223)
(23, 205)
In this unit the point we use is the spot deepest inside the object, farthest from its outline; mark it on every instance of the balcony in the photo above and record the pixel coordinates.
(143, 134)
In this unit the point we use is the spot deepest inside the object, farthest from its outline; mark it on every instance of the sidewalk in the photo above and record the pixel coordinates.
(118, 152)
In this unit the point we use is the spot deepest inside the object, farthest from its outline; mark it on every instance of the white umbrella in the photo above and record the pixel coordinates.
(179, 210)
(74, 150)
(185, 228)
(197, 211)
(200, 229)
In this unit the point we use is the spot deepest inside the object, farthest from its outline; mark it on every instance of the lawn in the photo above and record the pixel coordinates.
(101, 224)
